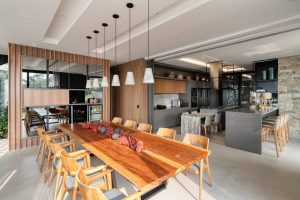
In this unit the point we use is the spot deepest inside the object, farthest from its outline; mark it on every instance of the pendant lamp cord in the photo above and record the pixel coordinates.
(148, 30)
(115, 41)
(129, 34)
(104, 42)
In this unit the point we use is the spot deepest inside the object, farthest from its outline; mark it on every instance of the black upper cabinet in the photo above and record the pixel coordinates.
(266, 75)
(77, 81)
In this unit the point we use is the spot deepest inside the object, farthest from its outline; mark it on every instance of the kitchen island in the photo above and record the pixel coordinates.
(243, 128)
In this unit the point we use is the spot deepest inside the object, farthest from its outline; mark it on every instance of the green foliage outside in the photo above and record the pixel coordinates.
(3, 122)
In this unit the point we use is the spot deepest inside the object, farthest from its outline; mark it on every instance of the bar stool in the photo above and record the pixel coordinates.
(275, 128)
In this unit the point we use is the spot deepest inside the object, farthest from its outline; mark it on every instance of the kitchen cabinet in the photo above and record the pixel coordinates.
(169, 86)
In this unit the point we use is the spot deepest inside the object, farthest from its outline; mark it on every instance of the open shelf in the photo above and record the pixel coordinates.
(266, 80)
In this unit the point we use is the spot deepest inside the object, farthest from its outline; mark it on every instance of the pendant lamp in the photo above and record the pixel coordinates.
(116, 79)
(129, 77)
(96, 80)
(104, 82)
(88, 82)
(148, 75)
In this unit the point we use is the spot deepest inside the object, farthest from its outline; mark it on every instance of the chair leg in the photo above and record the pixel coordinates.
(47, 166)
(276, 143)
(58, 178)
(208, 171)
(62, 189)
(200, 179)
(205, 130)
(39, 150)
(51, 172)
(42, 158)
(75, 190)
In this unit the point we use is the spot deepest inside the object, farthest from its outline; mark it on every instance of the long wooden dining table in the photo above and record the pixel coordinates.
(148, 170)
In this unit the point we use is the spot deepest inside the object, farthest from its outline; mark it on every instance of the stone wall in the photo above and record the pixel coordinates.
(289, 91)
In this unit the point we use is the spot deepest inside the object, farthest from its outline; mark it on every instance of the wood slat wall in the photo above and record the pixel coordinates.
(127, 98)
(15, 54)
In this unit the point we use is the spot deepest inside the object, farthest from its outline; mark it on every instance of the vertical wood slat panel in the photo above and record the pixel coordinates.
(18, 89)
(12, 98)
(15, 87)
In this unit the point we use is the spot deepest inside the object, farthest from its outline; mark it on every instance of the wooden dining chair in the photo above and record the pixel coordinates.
(56, 167)
(71, 163)
(203, 142)
(145, 127)
(273, 127)
(207, 124)
(90, 192)
(40, 131)
(167, 132)
(116, 120)
(130, 124)
(45, 148)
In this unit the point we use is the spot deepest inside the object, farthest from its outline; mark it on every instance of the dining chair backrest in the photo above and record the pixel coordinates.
(40, 131)
(116, 120)
(217, 118)
(194, 112)
(130, 124)
(167, 132)
(70, 164)
(207, 120)
(88, 192)
(145, 127)
(195, 139)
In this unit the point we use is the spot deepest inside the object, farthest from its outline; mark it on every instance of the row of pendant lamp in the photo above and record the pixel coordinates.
(148, 75)
(148, 79)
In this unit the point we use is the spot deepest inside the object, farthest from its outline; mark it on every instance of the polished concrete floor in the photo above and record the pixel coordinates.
(236, 175)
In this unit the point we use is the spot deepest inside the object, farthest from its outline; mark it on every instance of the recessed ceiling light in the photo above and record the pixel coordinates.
(194, 61)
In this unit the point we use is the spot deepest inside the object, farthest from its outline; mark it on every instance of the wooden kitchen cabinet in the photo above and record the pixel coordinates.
(169, 86)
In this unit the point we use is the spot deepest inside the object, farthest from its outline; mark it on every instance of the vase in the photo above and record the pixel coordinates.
(264, 75)
(271, 73)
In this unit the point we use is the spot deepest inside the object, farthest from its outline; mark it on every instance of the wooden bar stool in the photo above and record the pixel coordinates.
(275, 128)
(145, 127)
(167, 132)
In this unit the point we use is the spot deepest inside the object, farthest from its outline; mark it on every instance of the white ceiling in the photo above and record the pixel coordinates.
(174, 24)
(243, 54)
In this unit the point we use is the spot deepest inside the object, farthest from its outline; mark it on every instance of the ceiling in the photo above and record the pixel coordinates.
(175, 25)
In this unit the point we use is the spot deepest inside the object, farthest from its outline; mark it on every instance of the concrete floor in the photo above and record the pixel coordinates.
(236, 175)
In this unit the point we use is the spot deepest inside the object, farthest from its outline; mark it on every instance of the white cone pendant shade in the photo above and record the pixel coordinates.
(129, 79)
(148, 76)
(96, 83)
(88, 84)
(104, 82)
(115, 80)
